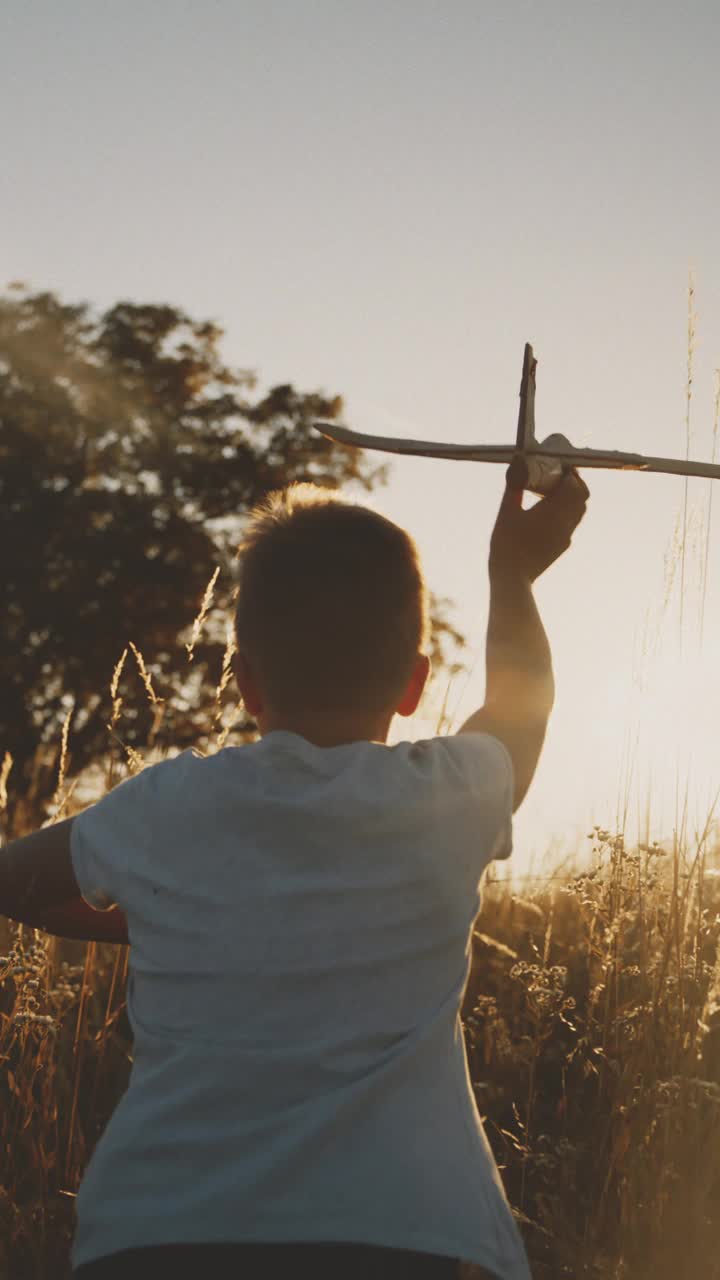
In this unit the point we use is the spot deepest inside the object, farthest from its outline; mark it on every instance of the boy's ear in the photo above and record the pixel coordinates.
(246, 684)
(414, 692)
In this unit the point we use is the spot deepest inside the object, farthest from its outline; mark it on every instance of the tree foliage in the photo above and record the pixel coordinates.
(128, 454)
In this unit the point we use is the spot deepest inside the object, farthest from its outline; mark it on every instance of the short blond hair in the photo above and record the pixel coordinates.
(332, 605)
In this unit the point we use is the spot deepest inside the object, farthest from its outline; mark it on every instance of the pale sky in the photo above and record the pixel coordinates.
(387, 200)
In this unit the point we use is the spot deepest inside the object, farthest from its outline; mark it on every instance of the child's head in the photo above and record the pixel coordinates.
(332, 609)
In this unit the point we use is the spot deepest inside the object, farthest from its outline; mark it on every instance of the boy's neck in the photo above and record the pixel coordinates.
(322, 732)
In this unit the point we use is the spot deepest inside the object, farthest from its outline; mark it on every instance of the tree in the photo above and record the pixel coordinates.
(128, 453)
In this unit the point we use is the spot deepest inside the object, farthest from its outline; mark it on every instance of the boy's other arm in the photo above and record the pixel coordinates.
(78, 920)
(38, 887)
(520, 687)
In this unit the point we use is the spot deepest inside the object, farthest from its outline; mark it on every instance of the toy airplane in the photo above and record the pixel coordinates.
(545, 459)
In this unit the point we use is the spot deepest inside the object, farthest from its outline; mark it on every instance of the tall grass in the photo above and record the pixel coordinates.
(592, 1022)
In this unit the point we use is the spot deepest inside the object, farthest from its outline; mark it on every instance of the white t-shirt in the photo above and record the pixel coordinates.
(299, 921)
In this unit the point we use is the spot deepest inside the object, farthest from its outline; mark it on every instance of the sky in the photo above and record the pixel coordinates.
(386, 201)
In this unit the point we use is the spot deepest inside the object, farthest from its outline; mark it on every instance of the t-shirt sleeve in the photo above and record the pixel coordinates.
(483, 764)
(102, 838)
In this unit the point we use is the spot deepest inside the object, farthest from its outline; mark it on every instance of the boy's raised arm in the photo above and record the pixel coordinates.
(520, 687)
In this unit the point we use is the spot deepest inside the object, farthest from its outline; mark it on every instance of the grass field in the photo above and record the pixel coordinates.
(592, 1021)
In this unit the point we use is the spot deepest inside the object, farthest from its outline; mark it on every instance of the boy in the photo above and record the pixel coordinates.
(299, 911)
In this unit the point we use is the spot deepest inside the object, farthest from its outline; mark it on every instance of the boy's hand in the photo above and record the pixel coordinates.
(525, 543)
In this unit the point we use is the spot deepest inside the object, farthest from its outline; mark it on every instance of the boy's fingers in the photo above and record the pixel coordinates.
(516, 478)
(570, 495)
(563, 505)
(575, 475)
(558, 514)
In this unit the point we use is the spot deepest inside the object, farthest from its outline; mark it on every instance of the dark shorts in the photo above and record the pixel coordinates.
(269, 1262)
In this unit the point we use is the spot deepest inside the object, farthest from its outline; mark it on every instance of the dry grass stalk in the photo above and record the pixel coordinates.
(5, 768)
(688, 397)
(204, 610)
(226, 672)
(221, 735)
(114, 682)
(145, 675)
(157, 704)
(63, 754)
(708, 520)
(64, 801)
(135, 760)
